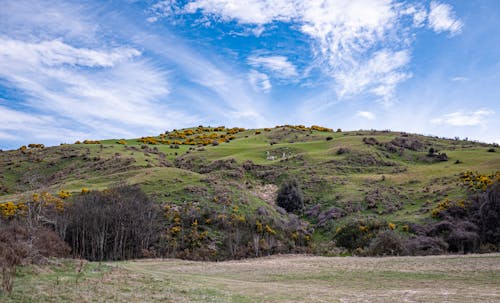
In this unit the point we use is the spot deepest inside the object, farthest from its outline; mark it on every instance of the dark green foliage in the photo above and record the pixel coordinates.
(475, 224)
(387, 243)
(424, 246)
(357, 233)
(290, 196)
(486, 214)
(198, 233)
(343, 150)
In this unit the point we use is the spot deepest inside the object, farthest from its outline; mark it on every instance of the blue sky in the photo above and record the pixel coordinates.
(73, 70)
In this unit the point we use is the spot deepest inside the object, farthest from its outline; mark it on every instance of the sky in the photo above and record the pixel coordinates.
(75, 70)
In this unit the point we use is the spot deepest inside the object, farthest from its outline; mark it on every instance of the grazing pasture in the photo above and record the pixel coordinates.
(284, 278)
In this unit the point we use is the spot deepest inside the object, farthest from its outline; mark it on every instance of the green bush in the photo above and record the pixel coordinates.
(387, 243)
(290, 196)
(357, 233)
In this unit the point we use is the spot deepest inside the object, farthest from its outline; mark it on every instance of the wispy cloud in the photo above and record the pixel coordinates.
(57, 53)
(121, 91)
(17, 126)
(231, 92)
(459, 79)
(379, 74)
(259, 81)
(442, 19)
(72, 82)
(49, 19)
(366, 115)
(278, 65)
(161, 9)
(94, 76)
(350, 39)
(461, 118)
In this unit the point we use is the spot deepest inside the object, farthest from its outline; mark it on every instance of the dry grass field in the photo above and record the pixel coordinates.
(289, 278)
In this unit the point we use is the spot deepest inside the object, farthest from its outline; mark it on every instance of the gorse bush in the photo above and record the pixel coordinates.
(466, 225)
(357, 233)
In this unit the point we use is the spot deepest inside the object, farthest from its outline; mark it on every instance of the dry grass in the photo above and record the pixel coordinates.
(472, 278)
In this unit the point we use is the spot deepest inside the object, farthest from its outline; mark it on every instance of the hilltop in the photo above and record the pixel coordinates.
(211, 181)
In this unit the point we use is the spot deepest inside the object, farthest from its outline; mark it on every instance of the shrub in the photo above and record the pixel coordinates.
(343, 150)
(63, 194)
(357, 233)
(36, 145)
(290, 196)
(424, 245)
(485, 211)
(12, 253)
(387, 243)
(20, 244)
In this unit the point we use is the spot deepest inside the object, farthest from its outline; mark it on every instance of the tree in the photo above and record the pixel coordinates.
(290, 196)
(115, 224)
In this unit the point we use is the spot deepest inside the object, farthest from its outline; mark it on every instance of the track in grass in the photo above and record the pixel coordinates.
(291, 278)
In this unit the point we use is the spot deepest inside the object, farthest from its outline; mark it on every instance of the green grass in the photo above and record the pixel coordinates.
(327, 178)
(471, 278)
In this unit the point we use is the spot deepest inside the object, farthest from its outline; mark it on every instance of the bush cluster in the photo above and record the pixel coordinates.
(199, 136)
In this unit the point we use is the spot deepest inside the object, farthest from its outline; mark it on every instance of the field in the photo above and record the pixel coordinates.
(286, 278)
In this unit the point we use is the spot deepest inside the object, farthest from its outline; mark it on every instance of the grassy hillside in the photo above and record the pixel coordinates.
(392, 176)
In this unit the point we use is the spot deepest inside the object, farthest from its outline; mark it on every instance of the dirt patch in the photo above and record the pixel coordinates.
(267, 192)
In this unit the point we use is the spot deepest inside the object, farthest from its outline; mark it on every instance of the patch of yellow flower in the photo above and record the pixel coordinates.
(63, 194)
(8, 209)
(478, 182)
(363, 228)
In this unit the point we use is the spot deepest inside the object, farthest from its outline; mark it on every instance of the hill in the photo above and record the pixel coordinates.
(354, 184)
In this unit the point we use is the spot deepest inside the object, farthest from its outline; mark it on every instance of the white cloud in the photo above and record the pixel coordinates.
(459, 79)
(56, 52)
(247, 12)
(164, 8)
(17, 126)
(442, 19)
(380, 75)
(346, 35)
(464, 119)
(366, 115)
(74, 74)
(120, 95)
(278, 65)
(49, 19)
(225, 92)
(259, 81)
(419, 15)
